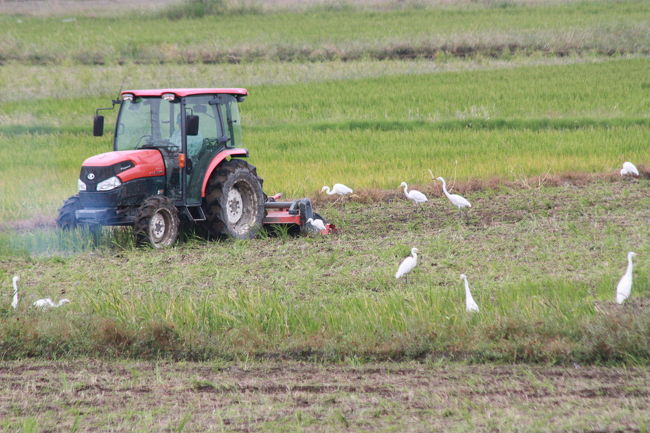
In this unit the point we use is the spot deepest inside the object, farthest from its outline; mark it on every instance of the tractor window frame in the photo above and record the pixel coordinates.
(159, 122)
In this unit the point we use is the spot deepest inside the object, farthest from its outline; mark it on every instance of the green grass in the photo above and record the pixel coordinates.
(602, 26)
(530, 256)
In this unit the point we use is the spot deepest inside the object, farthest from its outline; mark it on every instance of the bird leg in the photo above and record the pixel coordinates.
(466, 215)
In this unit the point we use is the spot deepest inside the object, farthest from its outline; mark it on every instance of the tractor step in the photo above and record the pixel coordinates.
(194, 213)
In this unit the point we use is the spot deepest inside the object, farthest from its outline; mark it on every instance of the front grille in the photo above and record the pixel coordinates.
(91, 176)
(130, 193)
(99, 199)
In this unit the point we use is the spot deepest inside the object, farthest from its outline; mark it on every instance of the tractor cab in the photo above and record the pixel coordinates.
(186, 128)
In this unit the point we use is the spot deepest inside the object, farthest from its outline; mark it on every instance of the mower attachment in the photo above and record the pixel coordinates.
(293, 212)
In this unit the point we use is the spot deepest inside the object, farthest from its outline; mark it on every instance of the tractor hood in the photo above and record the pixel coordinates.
(125, 164)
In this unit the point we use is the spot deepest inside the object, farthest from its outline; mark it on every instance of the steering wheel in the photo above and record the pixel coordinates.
(137, 144)
(169, 146)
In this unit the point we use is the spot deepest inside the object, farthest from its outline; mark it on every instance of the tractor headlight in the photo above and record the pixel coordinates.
(81, 185)
(109, 184)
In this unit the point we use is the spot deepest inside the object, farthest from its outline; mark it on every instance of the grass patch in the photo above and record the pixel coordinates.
(530, 265)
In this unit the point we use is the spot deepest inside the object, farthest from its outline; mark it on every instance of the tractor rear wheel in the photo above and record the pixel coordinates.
(67, 219)
(234, 201)
(157, 222)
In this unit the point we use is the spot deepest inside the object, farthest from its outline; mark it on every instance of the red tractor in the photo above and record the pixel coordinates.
(176, 160)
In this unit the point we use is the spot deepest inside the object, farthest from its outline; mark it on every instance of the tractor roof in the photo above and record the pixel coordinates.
(187, 92)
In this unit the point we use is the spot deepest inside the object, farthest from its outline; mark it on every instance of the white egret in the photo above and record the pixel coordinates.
(318, 224)
(470, 305)
(14, 302)
(624, 286)
(408, 264)
(459, 201)
(46, 303)
(414, 195)
(338, 189)
(629, 168)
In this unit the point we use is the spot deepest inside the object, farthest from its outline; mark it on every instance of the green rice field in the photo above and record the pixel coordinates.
(512, 124)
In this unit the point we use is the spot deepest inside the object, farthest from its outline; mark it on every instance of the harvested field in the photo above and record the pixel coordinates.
(543, 263)
(98, 396)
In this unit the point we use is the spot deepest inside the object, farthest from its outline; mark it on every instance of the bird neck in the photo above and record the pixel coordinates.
(629, 266)
(405, 189)
(444, 188)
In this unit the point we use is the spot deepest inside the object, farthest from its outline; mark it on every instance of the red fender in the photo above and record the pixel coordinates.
(217, 160)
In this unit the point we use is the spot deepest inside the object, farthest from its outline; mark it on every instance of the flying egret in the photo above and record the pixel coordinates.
(14, 302)
(455, 199)
(408, 264)
(624, 286)
(414, 195)
(318, 224)
(629, 168)
(470, 305)
(338, 189)
(46, 303)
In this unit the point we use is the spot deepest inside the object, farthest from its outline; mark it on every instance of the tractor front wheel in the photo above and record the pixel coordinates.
(157, 222)
(67, 219)
(234, 201)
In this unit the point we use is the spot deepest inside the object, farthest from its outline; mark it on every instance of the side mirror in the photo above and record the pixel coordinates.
(98, 126)
(192, 124)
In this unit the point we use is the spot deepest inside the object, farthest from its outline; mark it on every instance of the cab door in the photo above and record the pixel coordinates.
(204, 146)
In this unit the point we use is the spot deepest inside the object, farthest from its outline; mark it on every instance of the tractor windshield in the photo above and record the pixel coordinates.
(147, 122)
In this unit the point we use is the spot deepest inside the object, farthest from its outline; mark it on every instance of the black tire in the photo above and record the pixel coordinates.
(67, 219)
(234, 201)
(157, 222)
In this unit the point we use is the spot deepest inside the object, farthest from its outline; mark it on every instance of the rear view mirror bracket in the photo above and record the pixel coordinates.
(98, 120)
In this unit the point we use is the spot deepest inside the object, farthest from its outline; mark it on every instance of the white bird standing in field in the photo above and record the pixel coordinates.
(408, 264)
(338, 189)
(459, 201)
(318, 224)
(46, 303)
(414, 195)
(624, 286)
(14, 302)
(470, 304)
(629, 169)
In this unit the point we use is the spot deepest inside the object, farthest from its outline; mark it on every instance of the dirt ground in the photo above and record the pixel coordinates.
(289, 396)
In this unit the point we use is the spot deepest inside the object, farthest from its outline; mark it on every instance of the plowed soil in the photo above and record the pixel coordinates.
(289, 396)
